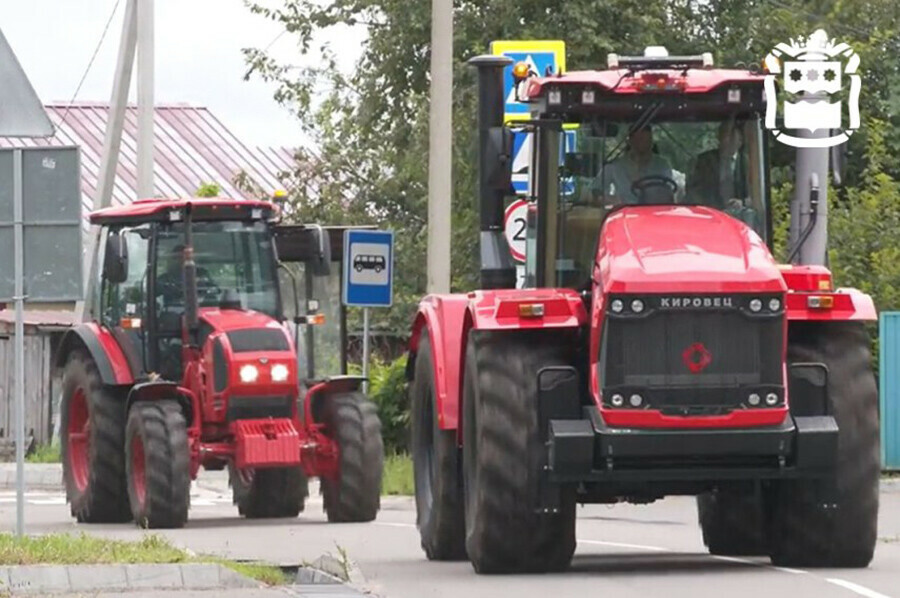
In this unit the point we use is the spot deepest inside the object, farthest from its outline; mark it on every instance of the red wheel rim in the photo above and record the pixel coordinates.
(79, 439)
(138, 473)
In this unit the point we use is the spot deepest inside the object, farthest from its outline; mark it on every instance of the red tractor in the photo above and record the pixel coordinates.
(656, 349)
(188, 359)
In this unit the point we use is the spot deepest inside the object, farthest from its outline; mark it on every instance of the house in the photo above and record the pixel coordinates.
(191, 147)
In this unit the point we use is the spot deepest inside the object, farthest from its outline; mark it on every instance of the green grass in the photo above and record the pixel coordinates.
(67, 549)
(398, 475)
(44, 453)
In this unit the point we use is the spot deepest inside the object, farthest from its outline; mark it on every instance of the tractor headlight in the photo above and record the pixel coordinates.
(279, 372)
(617, 306)
(774, 304)
(249, 374)
(755, 305)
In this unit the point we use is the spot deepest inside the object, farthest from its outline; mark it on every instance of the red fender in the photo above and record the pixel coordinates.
(103, 348)
(810, 284)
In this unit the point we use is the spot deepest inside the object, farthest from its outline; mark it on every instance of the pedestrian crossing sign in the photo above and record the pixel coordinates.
(543, 56)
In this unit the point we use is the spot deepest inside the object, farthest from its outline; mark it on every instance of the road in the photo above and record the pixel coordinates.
(623, 551)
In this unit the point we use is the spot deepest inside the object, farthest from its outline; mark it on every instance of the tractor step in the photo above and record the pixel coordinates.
(261, 443)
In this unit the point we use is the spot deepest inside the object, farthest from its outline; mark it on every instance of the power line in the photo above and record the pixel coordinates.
(90, 62)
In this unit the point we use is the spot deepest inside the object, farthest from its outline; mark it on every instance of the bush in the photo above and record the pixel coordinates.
(387, 388)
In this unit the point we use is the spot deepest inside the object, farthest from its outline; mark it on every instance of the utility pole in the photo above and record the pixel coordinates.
(440, 146)
(811, 171)
(145, 99)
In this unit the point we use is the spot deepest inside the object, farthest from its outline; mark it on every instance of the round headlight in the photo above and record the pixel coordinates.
(636, 400)
(249, 373)
(774, 304)
(755, 305)
(279, 372)
(617, 305)
(754, 399)
(637, 306)
(771, 398)
(617, 400)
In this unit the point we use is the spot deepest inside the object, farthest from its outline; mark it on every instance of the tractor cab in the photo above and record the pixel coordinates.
(655, 130)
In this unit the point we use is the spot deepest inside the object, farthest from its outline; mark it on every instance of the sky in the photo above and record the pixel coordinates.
(198, 57)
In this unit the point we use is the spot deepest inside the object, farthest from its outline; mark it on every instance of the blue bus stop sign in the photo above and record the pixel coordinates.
(368, 268)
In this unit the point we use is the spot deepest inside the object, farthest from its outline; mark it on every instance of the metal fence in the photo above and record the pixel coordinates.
(889, 374)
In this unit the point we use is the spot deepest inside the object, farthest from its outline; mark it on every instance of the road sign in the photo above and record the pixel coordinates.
(542, 55)
(515, 223)
(368, 268)
(22, 114)
(521, 162)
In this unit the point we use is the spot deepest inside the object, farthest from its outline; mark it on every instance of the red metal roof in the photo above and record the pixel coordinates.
(146, 208)
(191, 147)
(695, 80)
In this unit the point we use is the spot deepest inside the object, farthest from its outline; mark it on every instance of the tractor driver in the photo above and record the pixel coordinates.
(170, 283)
(636, 163)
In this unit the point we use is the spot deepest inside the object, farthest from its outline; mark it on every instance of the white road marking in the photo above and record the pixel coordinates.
(625, 545)
(789, 570)
(58, 500)
(853, 587)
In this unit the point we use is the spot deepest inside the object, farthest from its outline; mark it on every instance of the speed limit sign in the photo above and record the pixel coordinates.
(515, 221)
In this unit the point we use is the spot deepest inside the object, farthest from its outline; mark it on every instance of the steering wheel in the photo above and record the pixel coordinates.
(651, 181)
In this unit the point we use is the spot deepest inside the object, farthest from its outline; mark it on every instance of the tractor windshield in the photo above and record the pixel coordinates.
(605, 164)
(235, 263)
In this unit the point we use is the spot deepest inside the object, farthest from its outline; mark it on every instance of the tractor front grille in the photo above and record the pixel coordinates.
(258, 339)
(692, 360)
(253, 407)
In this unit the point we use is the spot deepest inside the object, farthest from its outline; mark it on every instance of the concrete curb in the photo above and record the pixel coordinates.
(53, 579)
(38, 476)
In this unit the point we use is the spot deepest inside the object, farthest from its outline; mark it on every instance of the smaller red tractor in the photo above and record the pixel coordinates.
(186, 358)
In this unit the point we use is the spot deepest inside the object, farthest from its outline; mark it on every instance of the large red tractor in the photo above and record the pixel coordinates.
(656, 349)
(188, 358)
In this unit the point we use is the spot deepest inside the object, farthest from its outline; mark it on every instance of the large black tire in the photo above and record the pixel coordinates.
(157, 459)
(269, 493)
(733, 522)
(94, 475)
(354, 495)
(503, 456)
(807, 531)
(439, 502)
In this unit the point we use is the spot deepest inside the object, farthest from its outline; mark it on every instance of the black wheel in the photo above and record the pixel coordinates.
(93, 437)
(269, 493)
(354, 494)
(503, 456)
(733, 522)
(439, 506)
(157, 459)
(812, 527)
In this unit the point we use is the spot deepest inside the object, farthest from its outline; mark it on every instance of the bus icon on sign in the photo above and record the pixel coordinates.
(369, 262)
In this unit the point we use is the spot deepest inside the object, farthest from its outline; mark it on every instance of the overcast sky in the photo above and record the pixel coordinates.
(198, 57)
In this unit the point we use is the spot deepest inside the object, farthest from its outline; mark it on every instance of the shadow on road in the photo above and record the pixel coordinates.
(668, 563)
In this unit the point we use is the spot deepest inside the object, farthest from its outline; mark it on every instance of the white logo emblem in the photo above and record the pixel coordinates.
(812, 75)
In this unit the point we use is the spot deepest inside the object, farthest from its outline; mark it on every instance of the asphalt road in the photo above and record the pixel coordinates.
(623, 551)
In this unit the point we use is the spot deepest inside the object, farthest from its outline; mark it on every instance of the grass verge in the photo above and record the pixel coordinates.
(44, 453)
(398, 475)
(66, 549)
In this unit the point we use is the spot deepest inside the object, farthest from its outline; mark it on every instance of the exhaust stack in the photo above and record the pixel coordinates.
(498, 271)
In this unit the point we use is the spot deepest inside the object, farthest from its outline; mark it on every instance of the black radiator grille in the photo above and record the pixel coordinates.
(257, 339)
(258, 407)
(730, 351)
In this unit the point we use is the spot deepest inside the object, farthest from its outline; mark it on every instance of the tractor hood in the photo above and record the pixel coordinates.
(247, 331)
(683, 249)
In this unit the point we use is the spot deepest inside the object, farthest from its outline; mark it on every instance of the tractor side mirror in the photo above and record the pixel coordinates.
(321, 262)
(498, 158)
(115, 259)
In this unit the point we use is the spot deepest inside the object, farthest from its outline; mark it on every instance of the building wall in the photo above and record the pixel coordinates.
(39, 388)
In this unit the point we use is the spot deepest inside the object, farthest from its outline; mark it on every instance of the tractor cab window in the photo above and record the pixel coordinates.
(606, 164)
(124, 304)
(235, 267)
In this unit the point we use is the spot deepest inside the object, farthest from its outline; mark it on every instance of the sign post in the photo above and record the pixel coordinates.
(368, 277)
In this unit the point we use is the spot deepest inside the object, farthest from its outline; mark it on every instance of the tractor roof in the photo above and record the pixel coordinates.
(172, 210)
(627, 81)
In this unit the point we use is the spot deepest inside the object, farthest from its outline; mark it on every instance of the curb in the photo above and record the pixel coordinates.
(53, 579)
(38, 476)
